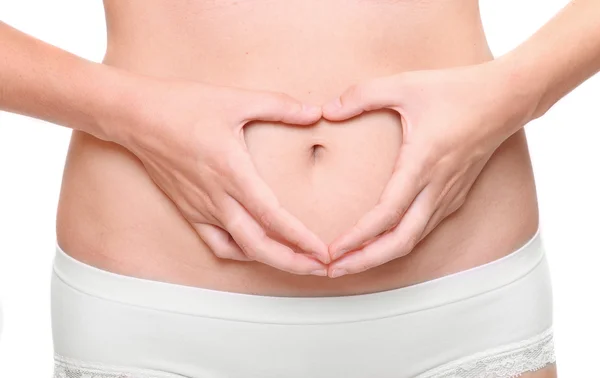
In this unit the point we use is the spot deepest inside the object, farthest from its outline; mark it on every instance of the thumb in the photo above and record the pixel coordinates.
(370, 95)
(278, 107)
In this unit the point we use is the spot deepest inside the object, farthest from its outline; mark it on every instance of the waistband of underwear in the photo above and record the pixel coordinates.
(197, 301)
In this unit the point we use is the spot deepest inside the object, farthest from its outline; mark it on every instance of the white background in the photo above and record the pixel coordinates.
(564, 144)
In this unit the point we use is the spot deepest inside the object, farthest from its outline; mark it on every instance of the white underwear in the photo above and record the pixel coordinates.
(492, 321)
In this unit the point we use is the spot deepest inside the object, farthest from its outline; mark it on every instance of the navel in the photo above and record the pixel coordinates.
(316, 152)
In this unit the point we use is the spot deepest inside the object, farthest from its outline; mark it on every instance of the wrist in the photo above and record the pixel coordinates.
(119, 103)
(520, 85)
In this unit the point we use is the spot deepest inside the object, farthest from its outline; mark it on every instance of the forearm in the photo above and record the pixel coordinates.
(557, 58)
(45, 82)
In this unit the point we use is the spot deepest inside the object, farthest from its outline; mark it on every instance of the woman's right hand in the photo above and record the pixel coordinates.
(190, 138)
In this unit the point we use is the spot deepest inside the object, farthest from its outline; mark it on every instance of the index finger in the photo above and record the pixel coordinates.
(258, 246)
(259, 200)
(398, 195)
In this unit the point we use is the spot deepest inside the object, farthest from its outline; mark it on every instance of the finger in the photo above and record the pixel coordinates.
(435, 220)
(370, 95)
(448, 209)
(220, 242)
(401, 190)
(255, 244)
(397, 243)
(278, 107)
(454, 199)
(448, 204)
(260, 201)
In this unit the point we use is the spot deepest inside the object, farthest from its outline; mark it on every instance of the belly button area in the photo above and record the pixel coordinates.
(316, 152)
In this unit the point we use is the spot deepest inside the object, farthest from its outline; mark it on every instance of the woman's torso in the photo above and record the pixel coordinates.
(111, 214)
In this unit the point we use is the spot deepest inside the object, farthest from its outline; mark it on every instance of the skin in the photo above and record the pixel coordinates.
(219, 196)
(140, 110)
(454, 120)
(327, 175)
(228, 193)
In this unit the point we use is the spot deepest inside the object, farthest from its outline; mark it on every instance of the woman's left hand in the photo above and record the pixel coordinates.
(453, 120)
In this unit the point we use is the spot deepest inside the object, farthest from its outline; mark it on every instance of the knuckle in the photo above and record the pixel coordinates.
(265, 218)
(227, 163)
(234, 222)
(407, 244)
(220, 253)
(361, 231)
(418, 170)
(358, 228)
(439, 199)
(283, 101)
(216, 166)
(250, 251)
(359, 91)
(188, 211)
(410, 242)
(353, 93)
(429, 156)
(215, 214)
(222, 157)
(211, 216)
(207, 172)
(194, 212)
(208, 205)
(393, 217)
(256, 250)
(296, 243)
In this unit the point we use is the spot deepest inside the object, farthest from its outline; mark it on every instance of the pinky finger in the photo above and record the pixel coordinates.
(220, 242)
(439, 215)
(435, 220)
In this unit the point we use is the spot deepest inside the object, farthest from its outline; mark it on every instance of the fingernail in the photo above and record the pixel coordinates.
(319, 272)
(338, 273)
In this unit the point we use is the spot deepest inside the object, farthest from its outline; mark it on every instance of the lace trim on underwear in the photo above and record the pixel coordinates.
(509, 361)
(506, 362)
(68, 368)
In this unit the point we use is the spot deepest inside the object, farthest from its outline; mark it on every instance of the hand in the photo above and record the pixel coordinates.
(453, 120)
(189, 137)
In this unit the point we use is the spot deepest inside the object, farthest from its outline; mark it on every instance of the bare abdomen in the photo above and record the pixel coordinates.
(111, 215)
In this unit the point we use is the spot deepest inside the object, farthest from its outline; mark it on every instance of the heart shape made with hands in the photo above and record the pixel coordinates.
(351, 103)
(453, 119)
